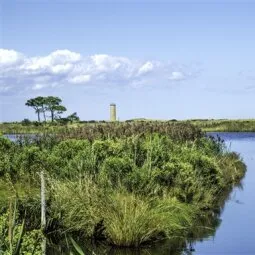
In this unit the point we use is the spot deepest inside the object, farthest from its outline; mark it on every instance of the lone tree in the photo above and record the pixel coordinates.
(38, 105)
(54, 107)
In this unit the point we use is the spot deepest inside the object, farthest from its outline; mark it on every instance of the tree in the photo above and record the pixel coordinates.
(37, 104)
(73, 117)
(58, 109)
(52, 104)
(44, 104)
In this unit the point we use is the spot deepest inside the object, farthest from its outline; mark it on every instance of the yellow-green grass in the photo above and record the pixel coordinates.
(207, 125)
(21, 189)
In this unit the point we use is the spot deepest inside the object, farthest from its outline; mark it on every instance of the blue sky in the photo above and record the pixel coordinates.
(154, 59)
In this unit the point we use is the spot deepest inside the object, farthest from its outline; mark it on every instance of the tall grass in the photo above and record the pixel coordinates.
(77, 204)
(131, 220)
(127, 219)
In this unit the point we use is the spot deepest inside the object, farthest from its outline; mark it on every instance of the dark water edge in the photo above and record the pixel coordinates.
(231, 231)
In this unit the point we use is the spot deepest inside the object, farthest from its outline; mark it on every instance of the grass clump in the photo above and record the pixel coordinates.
(131, 220)
(120, 217)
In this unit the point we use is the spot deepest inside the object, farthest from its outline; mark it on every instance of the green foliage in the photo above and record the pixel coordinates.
(14, 239)
(44, 104)
(77, 247)
(175, 130)
(26, 122)
(37, 104)
(5, 144)
(73, 117)
(5, 164)
(225, 125)
(128, 183)
(132, 220)
(77, 204)
(115, 169)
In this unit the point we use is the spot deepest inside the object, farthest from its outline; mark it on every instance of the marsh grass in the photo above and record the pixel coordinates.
(77, 204)
(127, 184)
(225, 125)
(127, 219)
(131, 220)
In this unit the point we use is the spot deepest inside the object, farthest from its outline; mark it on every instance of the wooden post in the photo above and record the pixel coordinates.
(43, 211)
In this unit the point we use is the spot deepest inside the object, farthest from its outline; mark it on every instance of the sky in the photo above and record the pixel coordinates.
(154, 59)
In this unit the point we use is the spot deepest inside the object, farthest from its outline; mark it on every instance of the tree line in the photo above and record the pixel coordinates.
(49, 107)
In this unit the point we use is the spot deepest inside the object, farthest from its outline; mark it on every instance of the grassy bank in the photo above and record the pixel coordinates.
(128, 184)
(225, 125)
(207, 125)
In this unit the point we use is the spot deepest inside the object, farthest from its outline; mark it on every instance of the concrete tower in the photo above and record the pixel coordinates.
(112, 112)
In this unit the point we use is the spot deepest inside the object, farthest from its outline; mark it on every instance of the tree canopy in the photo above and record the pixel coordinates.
(37, 104)
(50, 104)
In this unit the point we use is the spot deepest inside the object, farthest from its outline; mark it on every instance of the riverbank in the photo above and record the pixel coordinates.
(128, 185)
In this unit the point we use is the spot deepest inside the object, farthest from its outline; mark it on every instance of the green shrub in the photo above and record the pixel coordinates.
(116, 169)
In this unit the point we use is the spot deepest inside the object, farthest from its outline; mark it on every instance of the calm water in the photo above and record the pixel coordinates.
(236, 233)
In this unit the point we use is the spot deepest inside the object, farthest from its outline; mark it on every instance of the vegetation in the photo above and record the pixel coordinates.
(73, 122)
(50, 104)
(213, 125)
(126, 184)
(225, 125)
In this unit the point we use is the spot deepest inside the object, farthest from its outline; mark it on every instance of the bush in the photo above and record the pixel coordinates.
(26, 122)
(116, 169)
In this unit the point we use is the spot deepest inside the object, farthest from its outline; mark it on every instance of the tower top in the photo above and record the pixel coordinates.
(112, 104)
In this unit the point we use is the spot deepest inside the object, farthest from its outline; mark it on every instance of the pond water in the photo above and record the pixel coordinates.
(236, 231)
(15, 137)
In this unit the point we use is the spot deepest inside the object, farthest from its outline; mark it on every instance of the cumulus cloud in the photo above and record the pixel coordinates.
(67, 68)
(9, 58)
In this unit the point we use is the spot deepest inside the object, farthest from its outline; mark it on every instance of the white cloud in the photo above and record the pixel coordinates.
(9, 57)
(146, 68)
(39, 86)
(64, 67)
(177, 76)
(57, 61)
(80, 79)
(106, 62)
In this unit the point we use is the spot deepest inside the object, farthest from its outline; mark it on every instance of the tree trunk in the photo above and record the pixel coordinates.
(38, 115)
(44, 115)
(52, 115)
